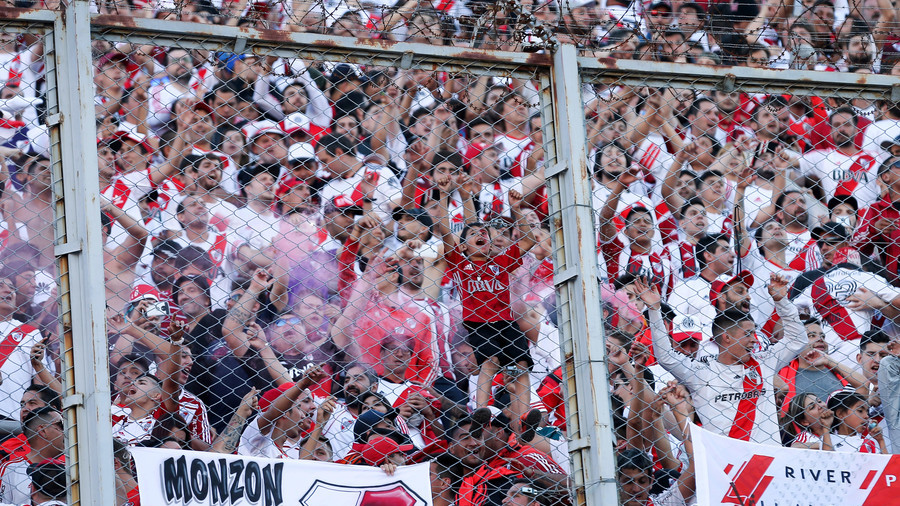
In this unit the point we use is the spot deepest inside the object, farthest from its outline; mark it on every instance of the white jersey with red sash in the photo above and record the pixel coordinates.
(194, 412)
(510, 149)
(15, 483)
(619, 259)
(494, 198)
(130, 431)
(735, 400)
(683, 256)
(825, 292)
(125, 192)
(840, 174)
(215, 245)
(228, 167)
(16, 372)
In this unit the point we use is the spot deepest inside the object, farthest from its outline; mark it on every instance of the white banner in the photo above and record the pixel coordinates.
(175, 477)
(730, 471)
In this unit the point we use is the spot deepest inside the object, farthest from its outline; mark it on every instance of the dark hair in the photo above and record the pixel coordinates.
(49, 479)
(873, 335)
(332, 143)
(634, 459)
(779, 201)
(845, 110)
(693, 201)
(191, 255)
(843, 401)
(468, 227)
(456, 426)
(451, 157)
(598, 168)
(695, 106)
(709, 243)
(48, 395)
(134, 358)
(478, 120)
(709, 174)
(40, 415)
(636, 210)
(727, 320)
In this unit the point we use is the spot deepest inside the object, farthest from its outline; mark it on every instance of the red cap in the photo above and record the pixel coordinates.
(269, 397)
(379, 448)
(202, 106)
(718, 285)
(847, 255)
(140, 139)
(111, 57)
(141, 292)
(686, 327)
(473, 151)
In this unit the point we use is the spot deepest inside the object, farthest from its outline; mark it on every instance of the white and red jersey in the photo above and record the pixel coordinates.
(339, 431)
(125, 192)
(195, 415)
(666, 229)
(510, 149)
(255, 443)
(802, 253)
(15, 483)
(130, 431)
(735, 400)
(762, 269)
(854, 444)
(807, 437)
(16, 340)
(484, 285)
(683, 259)
(621, 259)
(840, 174)
(826, 292)
(387, 188)
(494, 198)
(440, 328)
(215, 245)
(520, 166)
(653, 159)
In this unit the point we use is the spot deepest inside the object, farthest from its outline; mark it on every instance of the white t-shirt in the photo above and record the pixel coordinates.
(387, 188)
(339, 431)
(17, 372)
(256, 444)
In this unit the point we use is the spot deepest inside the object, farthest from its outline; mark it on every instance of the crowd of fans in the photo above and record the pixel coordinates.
(348, 263)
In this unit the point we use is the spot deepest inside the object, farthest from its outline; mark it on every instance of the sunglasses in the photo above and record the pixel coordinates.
(831, 241)
(281, 322)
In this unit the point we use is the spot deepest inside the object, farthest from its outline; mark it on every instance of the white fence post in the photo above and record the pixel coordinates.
(589, 418)
(79, 252)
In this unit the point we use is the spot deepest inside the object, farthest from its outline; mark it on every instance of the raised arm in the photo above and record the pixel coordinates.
(515, 208)
(676, 363)
(243, 313)
(229, 439)
(795, 338)
(286, 400)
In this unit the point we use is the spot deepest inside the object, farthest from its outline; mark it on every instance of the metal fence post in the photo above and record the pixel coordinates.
(589, 418)
(79, 252)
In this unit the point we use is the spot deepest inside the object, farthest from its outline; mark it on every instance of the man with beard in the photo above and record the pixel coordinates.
(161, 272)
(464, 447)
(715, 258)
(358, 379)
(844, 169)
(255, 225)
(180, 68)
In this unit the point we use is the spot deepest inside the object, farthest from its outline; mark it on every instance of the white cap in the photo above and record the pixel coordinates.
(295, 121)
(254, 129)
(301, 151)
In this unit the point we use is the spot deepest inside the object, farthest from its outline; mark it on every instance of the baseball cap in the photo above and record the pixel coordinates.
(718, 285)
(111, 57)
(365, 423)
(344, 72)
(270, 395)
(474, 150)
(301, 152)
(166, 248)
(116, 139)
(830, 228)
(254, 129)
(415, 213)
(660, 5)
(342, 204)
(686, 327)
(435, 403)
(141, 292)
(379, 448)
(295, 122)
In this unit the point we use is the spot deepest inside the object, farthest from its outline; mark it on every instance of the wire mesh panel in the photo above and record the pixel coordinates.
(745, 235)
(31, 422)
(331, 257)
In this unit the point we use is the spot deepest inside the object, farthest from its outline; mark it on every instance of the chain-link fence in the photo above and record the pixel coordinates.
(385, 250)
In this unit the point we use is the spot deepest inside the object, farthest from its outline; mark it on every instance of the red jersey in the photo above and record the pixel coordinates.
(484, 285)
(192, 409)
(551, 394)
